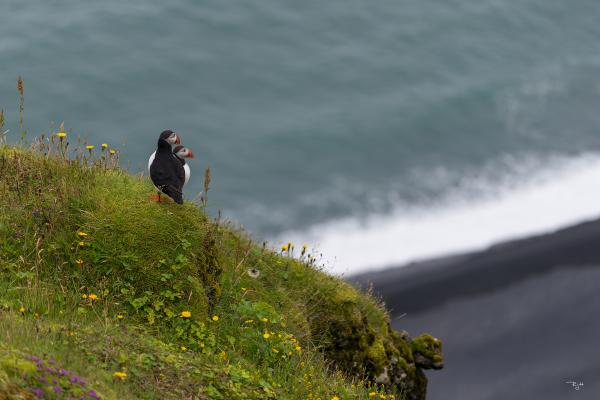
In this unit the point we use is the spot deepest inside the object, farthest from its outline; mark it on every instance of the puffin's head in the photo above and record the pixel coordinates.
(183, 152)
(170, 136)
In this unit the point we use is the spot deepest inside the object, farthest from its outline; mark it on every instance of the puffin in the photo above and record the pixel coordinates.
(171, 137)
(182, 152)
(166, 170)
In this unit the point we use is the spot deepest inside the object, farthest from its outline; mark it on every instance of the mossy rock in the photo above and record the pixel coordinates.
(355, 333)
(427, 351)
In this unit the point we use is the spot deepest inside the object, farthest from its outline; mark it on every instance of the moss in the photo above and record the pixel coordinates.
(427, 351)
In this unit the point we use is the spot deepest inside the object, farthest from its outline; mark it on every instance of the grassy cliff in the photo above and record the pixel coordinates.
(105, 294)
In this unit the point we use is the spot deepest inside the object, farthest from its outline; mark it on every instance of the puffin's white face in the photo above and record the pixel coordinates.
(185, 153)
(173, 139)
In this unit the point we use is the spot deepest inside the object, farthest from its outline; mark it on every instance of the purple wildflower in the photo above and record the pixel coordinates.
(37, 392)
(94, 395)
(77, 379)
(57, 389)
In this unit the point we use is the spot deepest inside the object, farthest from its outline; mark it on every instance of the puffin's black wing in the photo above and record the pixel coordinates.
(167, 173)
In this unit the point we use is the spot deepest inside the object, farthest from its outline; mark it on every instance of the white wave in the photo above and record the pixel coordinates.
(564, 192)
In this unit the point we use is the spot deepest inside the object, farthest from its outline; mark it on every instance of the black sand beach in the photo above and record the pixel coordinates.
(517, 320)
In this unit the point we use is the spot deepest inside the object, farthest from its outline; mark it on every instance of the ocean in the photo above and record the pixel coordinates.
(378, 133)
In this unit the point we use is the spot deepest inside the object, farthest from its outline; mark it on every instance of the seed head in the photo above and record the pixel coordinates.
(20, 85)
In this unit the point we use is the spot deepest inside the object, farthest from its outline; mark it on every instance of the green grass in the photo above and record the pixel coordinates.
(71, 228)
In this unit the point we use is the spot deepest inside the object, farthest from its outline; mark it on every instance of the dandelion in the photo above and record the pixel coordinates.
(298, 348)
(120, 375)
(79, 262)
(186, 314)
(215, 318)
(267, 335)
(253, 273)
(335, 398)
(84, 296)
(82, 234)
(284, 248)
(183, 348)
(372, 394)
(89, 147)
(112, 152)
(119, 316)
(81, 244)
(382, 396)
(22, 310)
(93, 297)
(61, 135)
(104, 146)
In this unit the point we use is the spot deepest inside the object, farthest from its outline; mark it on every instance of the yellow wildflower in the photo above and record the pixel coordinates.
(186, 314)
(248, 321)
(89, 147)
(298, 348)
(120, 375)
(79, 262)
(183, 348)
(284, 247)
(81, 234)
(104, 146)
(119, 316)
(84, 296)
(335, 398)
(22, 310)
(93, 297)
(81, 244)
(202, 345)
(275, 351)
(382, 396)
(266, 335)
(372, 394)
(113, 152)
(61, 135)
(215, 318)
(263, 319)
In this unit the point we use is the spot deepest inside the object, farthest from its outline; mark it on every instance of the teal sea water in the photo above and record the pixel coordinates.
(378, 132)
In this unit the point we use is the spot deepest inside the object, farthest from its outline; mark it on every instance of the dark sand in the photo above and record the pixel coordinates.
(517, 320)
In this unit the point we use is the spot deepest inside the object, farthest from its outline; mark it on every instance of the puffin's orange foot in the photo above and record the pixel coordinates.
(155, 197)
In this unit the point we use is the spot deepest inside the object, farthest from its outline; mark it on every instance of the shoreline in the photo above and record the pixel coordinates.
(421, 285)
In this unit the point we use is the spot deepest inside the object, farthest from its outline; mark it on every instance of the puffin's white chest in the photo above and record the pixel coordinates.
(186, 168)
(150, 160)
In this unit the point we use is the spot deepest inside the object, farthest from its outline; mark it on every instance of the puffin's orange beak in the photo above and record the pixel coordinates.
(177, 140)
(190, 154)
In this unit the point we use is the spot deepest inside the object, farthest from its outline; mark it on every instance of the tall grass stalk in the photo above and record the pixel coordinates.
(21, 107)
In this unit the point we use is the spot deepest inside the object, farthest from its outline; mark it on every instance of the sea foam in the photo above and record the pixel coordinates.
(563, 192)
